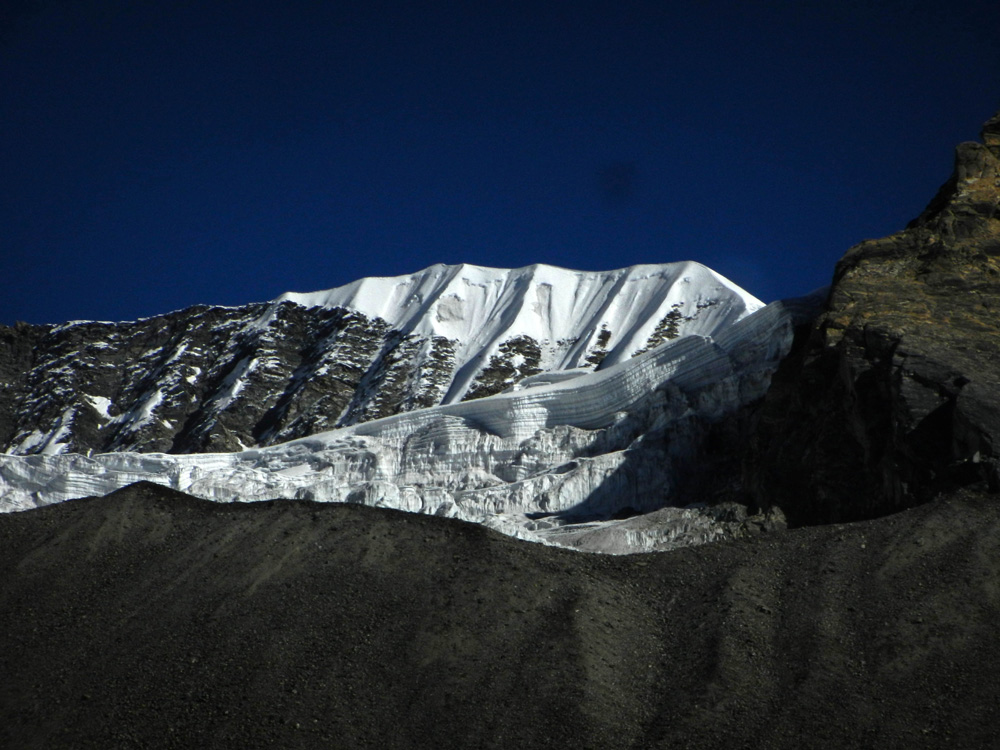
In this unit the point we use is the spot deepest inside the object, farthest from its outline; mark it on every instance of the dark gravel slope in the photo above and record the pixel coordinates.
(150, 619)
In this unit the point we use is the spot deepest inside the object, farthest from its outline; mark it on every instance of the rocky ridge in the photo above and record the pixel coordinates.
(893, 395)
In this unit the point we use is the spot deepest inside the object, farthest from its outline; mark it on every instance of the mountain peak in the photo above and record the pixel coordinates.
(562, 312)
(222, 379)
(894, 398)
(990, 134)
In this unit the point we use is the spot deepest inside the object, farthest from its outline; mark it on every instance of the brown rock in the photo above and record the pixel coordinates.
(895, 394)
(990, 133)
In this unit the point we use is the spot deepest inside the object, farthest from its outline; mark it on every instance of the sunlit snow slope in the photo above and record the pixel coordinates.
(542, 317)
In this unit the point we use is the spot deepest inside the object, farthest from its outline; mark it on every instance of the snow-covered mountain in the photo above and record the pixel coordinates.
(224, 379)
(502, 325)
(631, 374)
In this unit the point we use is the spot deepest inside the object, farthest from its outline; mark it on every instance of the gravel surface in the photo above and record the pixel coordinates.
(150, 619)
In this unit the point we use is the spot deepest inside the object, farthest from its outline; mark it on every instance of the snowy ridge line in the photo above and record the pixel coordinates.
(575, 444)
(213, 379)
(566, 312)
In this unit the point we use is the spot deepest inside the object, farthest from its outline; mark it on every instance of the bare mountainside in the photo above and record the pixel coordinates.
(151, 619)
(894, 395)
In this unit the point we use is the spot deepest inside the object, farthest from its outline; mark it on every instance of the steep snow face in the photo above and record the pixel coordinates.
(548, 318)
(558, 449)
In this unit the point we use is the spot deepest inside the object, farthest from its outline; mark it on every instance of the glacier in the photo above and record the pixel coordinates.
(556, 452)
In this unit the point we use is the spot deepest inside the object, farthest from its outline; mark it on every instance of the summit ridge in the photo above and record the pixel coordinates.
(223, 379)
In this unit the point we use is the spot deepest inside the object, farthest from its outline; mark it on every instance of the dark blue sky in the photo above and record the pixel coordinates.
(157, 154)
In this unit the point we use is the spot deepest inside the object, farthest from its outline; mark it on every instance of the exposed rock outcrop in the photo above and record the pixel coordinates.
(894, 393)
(200, 379)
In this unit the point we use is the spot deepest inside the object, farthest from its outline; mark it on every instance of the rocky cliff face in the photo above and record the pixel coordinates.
(893, 395)
(201, 379)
